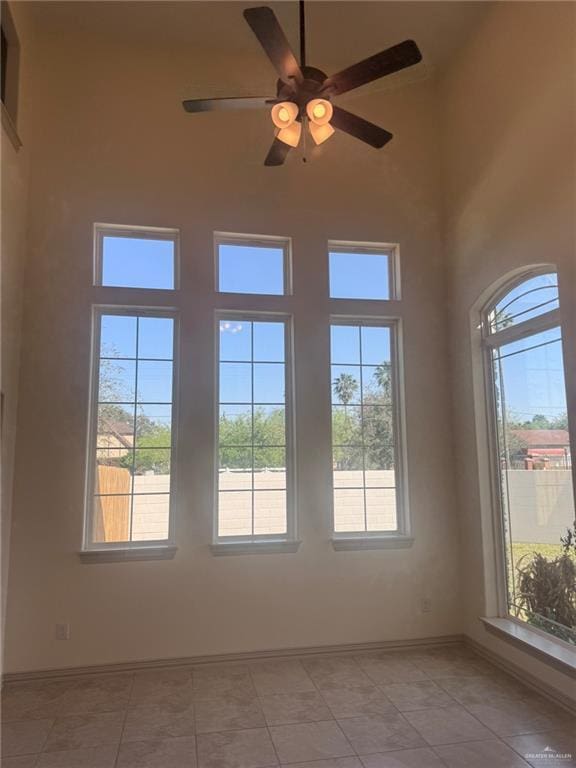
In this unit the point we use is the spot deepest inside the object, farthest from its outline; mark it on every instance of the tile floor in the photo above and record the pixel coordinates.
(440, 707)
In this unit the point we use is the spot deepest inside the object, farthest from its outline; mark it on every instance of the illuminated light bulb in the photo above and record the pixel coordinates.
(291, 134)
(319, 111)
(284, 114)
(320, 133)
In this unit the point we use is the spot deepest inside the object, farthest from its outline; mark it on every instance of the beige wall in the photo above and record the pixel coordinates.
(510, 201)
(15, 167)
(115, 146)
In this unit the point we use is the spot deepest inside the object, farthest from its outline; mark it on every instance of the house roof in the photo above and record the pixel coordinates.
(543, 437)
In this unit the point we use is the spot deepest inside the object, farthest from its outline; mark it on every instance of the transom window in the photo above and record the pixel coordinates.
(364, 431)
(254, 481)
(131, 434)
(360, 271)
(532, 457)
(252, 264)
(143, 257)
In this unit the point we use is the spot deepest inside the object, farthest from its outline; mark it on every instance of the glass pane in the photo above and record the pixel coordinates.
(348, 464)
(235, 340)
(346, 425)
(269, 468)
(111, 518)
(376, 384)
(269, 512)
(151, 467)
(154, 426)
(118, 336)
(345, 384)
(113, 472)
(269, 425)
(381, 510)
(269, 342)
(536, 479)
(379, 433)
(375, 345)
(250, 269)
(359, 276)
(235, 383)
(235, 513)
(115, 426)
(117, 380)
(380, 472)
(156, 337)
(269, 383)
(345, 344)
(235, 425)
(235, 468)
(131, 262)
(154, 381)
(531, 298)
(348, 510)
(150, 517)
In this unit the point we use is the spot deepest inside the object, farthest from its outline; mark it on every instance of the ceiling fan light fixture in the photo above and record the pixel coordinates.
(320, 133)
(319, 111)
(291, 134)
(284, 114)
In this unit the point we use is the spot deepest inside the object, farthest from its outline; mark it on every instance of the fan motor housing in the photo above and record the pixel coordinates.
(301, 93)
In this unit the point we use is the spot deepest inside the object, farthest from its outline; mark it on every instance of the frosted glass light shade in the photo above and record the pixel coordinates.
(291, 134)
(320, 133)
(284, 114)
(319, 111)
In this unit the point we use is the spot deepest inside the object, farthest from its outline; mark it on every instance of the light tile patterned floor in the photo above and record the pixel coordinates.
(440, 707)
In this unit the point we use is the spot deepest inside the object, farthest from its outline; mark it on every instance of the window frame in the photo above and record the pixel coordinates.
(402, 536)
(391, 250)
(489, 341)
(102, 230)
(256, 241)
(259, 541)
(88, 545)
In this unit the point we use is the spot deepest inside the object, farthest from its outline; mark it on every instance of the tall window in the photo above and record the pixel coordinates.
(364, 434)
(131, 440)
(523, 342)
(254, 428)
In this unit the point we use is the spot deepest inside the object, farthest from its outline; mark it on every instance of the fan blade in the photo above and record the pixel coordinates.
(243, 102)
(360, 128)
(265, 26)
(278, 153)
(381, 64)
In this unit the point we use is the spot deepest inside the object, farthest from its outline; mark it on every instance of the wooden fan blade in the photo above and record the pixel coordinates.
(242, 102)
(265, 26)
(278, 153)
(360, 128)
(391, 60)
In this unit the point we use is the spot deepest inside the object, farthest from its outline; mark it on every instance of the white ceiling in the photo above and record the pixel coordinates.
(338, 33)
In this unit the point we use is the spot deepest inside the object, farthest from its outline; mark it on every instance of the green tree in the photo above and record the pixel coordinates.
(345, 387)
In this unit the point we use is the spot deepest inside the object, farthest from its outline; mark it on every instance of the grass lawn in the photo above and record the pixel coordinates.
(522, 548)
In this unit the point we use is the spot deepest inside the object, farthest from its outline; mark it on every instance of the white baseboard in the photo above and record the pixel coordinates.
(187, 661)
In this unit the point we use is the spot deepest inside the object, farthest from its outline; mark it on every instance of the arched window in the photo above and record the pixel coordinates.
(521, 336)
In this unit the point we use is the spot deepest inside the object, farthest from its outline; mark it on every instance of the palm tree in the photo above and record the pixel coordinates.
(382, 378)
(345, 387)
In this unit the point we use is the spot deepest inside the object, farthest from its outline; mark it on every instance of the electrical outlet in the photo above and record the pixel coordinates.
(426, 605)
(62, 631)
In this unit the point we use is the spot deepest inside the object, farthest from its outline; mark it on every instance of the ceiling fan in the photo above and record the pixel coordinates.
(304, 94)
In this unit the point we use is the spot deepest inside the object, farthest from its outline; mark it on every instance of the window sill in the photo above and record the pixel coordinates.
(550, 649)
(267, 547)
(393, 541)
(113, 555)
